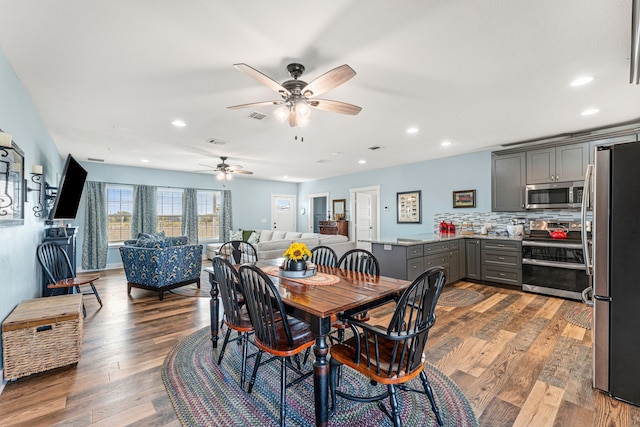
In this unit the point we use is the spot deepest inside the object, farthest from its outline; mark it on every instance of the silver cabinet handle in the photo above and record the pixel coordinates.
(501, 258)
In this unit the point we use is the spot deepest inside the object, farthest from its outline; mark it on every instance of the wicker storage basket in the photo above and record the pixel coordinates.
(42, 334)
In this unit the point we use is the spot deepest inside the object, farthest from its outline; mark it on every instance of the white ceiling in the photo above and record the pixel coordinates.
(109, 76)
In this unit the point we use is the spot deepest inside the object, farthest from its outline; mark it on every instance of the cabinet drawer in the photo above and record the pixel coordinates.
(502, 275)
(436, 260)
(328, 230)
(414, 251)
(503, 258)
(502, 245)
(434, 248)
(415, 267)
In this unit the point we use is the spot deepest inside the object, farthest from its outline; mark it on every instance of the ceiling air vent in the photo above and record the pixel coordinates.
(216, 141)
(91, 159)
(375, 147)
(257, 116)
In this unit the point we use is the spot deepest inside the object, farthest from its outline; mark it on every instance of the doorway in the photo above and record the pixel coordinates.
(365, 218)
(318, 210)
(283, 212)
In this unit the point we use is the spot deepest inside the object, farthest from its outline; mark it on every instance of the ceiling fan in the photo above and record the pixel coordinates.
(225, 170)
(299, 96)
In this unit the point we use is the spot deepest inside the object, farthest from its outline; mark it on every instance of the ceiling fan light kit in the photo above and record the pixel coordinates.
(298, 97)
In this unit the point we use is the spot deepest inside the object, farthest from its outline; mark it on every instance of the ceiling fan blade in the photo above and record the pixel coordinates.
(242, 172)
(262, 78)
(334, 106)
(207, 166)
(255, 104)
(234, 167)
(329, 80)
(292, 119)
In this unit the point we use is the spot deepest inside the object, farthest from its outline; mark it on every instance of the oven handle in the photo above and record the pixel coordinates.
(565, 265)
(552, 245)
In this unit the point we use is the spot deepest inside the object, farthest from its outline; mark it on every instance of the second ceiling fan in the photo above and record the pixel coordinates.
(299, 96)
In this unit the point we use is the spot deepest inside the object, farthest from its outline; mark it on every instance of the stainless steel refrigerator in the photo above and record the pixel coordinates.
(616, 271)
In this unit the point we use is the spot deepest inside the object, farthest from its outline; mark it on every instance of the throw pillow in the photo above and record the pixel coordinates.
(246, 234)
(154, 244)
(235, 235)
(254, 238)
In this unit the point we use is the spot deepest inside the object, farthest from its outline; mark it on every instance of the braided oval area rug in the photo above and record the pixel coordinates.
(580, 316)
(205, 394)
(459, 297)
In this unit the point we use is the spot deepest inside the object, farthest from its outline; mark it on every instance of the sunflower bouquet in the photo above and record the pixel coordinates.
(297, 252)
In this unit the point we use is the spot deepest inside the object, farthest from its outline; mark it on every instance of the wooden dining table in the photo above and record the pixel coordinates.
(319, 305)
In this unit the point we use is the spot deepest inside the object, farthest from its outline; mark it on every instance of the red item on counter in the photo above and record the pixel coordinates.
(451, 228)
(444, 228)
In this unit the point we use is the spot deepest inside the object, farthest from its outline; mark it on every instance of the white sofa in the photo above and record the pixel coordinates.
(273, 243)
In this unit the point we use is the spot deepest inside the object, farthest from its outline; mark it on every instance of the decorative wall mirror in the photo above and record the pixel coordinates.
(339, 209)
(11, 185)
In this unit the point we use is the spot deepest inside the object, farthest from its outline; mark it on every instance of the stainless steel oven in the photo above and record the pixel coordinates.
(556, 195)
(553, 265)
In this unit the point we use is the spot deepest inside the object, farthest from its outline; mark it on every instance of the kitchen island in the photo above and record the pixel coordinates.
(494, 257)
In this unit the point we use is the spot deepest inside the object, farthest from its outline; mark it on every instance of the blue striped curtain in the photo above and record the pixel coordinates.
(95, 242)
(145, 212)
(226, 220)
(190, 215)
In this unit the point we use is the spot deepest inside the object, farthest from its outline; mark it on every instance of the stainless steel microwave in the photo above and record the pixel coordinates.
(555, 195)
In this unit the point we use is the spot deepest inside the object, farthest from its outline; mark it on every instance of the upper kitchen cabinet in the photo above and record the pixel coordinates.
(508, 182)
(557, 164)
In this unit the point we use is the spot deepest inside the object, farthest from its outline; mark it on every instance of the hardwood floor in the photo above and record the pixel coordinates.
(513, 355)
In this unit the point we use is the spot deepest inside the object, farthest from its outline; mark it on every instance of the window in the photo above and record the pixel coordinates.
(170, 211)
(119, 209)
(209, 207)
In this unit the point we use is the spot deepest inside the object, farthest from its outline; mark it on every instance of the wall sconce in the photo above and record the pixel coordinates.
(36, 178)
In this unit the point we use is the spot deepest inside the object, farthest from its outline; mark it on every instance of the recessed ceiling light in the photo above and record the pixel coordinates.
(362, 162)
(412, 130)
(445, 143)
(144, 161)
(590, 111)
(582, 81)
(285, 177)
(178, 123)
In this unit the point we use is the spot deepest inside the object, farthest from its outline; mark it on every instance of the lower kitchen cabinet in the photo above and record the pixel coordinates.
(473, 261)
(502, 261)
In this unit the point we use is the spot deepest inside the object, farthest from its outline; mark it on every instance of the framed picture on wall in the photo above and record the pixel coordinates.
(12, 184)
(464, 199)
(409, 207)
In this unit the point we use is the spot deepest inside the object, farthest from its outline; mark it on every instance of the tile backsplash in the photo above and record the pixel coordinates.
(500, 220)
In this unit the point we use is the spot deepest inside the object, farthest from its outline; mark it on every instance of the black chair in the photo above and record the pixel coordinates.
(59, 272)
(361, 261)
(238, 252)
(236, 316)
(324, 255)
(392, 355)
(275, 332)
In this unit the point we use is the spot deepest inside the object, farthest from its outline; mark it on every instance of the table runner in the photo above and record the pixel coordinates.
(319, 279)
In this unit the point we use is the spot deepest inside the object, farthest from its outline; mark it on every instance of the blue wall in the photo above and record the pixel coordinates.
(19, 269)
(437, 179)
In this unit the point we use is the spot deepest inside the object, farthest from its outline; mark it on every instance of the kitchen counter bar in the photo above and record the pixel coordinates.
(437, 237)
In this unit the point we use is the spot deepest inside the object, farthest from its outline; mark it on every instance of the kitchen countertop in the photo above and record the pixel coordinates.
(419, 239)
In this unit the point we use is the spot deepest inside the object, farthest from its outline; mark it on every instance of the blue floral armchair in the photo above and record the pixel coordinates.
(159, 264)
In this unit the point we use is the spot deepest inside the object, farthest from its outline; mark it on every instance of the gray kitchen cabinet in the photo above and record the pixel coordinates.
(508, 180)
(557, 164)
(408, 262)
(473, 266)
(502, 261)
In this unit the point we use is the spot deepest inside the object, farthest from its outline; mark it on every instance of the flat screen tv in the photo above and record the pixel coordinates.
(69, 190)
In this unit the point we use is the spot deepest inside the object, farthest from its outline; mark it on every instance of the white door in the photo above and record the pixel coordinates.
(364, 220)
(283, 212)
